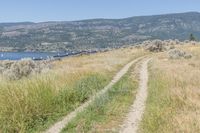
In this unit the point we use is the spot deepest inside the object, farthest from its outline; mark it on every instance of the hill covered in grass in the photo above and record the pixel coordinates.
(97, 33)
(33, 103)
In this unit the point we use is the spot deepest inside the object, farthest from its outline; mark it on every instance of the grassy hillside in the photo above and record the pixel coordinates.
(173, 101)
(34, 103)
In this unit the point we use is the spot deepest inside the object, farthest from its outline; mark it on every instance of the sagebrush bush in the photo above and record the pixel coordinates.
(14, 70)
(177, 54)
(159, 46)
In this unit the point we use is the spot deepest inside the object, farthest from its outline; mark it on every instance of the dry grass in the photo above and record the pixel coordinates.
(173, 103)
(108, 63)
(108, 111)
(31, 104)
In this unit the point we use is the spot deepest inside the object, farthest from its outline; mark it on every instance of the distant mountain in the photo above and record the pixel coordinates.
(97, 33)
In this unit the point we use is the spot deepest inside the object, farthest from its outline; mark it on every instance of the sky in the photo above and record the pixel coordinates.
(69, 10)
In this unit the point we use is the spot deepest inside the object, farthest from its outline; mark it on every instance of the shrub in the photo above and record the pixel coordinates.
(192, 38)
(177, 54)
(14, 70)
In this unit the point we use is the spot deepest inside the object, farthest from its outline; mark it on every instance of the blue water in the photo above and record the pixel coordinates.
(21, 55)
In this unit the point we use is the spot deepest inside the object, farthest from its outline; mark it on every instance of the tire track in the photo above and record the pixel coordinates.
(134, 117)
(57, 127)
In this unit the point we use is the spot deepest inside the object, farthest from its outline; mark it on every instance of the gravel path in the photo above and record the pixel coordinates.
(57, 127)
(134, 117)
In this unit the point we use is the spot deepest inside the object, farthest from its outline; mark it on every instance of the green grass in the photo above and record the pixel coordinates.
(173, 97)
(32, 105)
(108, 111)
(160, 106)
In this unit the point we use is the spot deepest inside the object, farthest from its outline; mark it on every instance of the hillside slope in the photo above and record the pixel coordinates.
(97, 33)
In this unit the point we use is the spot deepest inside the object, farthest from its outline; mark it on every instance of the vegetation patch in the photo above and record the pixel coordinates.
(158, 106)
(177, 54)
(108, 111)
(14, 70)
(32, 106)
(173, 97)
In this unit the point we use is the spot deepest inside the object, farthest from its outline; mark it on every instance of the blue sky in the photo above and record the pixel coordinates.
(67, 10)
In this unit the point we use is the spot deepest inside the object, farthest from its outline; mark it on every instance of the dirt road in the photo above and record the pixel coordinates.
(134, 117)
(57, 127)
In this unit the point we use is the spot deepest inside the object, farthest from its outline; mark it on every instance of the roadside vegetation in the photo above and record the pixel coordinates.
(36, 100)
(173, 99)
(108, 111)
(34, 103)
(15, 70)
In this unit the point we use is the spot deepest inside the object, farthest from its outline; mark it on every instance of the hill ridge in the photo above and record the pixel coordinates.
(97, 33)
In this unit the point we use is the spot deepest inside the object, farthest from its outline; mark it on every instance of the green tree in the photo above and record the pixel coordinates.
(192, 38)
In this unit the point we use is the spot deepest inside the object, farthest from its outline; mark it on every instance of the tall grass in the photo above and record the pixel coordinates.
(27, 107)
(173, 100)
(159, 106)
(32, 104)
(107, 112)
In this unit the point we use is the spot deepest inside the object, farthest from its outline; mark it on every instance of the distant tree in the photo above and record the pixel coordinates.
(192, 38)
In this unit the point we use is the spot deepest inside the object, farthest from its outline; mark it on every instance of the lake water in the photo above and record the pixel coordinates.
(21, 55)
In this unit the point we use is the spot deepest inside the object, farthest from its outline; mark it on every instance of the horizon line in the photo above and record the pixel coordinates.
(76, 20)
